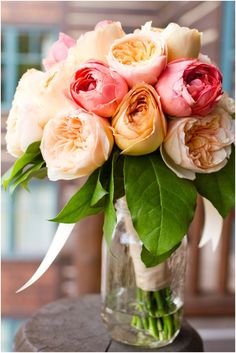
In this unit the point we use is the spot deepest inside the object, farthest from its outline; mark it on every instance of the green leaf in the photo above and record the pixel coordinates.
(79, 206)
(219, 187)
(28, 157)
(150, 260)
(99, 191)
(161, 204)
(109, 209)
(39, 174)
(27, 175)
(119, 189)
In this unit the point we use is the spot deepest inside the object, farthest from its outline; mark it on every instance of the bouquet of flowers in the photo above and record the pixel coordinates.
(143, 115)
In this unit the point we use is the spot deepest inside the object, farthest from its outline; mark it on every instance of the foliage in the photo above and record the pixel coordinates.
(29, 165)
(161, 204)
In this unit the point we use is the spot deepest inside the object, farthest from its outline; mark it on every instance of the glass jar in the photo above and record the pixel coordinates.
(140, 306)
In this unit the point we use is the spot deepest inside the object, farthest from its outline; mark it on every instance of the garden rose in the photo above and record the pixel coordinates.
(102, 24)
(139, 125)
(75, 144)
(189, 87)
(24, 121)
(97, 88)
(227, 103)
(182, 42)
(54, 97)
(195, 145)
(204, 59)
(138, 57)
(58, 51)
(93, 45)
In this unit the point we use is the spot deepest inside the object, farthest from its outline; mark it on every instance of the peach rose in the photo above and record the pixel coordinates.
(24, 120)
(58, 51)
(139, 125)
(139, 57)
(75, 144)
(195, 145)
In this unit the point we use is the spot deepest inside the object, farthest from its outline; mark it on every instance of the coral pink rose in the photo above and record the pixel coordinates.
(58, 51)
(198, 144)
(97, 88)
(75, 144)
(189, 87)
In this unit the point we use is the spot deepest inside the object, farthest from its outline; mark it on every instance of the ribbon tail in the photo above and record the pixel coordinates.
(62, 234)
(212, 225)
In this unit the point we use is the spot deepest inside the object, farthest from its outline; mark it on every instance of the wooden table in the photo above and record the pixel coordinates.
(74, 325)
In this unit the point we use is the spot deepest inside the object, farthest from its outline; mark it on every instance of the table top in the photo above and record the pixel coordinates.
(75, 325)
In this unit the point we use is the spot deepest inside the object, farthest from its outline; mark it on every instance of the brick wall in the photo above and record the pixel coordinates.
(14, 274)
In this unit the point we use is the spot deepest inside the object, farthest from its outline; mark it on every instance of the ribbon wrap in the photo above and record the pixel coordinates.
(62, 234)
(146, 278)
(213, 224)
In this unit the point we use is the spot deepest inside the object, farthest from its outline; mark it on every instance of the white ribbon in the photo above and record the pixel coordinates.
(62, 234)
(211, 232)
(213, 224)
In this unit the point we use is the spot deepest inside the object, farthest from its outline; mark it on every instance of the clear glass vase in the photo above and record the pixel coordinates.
(140, 306)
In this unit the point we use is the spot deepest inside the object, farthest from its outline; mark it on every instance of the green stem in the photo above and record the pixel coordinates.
(145, 323)
(158, 305)
(170, 326)
(139, 324)
(153, 327)
(134, 321)
(160, 329)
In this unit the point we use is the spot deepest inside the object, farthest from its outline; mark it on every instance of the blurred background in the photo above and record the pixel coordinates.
(28, 30)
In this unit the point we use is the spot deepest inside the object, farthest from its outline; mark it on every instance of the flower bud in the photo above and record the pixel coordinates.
(182, 42)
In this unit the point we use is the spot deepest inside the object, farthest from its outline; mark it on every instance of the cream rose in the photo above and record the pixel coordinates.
(93, 45)
(182, 42)
(198, 145)
(139, 125)
(138, 57)
(75, 144)
(24, 120)
(226, 103)
(39, 97)
(54, 98)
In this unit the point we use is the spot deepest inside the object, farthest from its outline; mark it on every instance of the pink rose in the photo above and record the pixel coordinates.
(189, 87)
(58, 51)
(98, 89)
(102, 24)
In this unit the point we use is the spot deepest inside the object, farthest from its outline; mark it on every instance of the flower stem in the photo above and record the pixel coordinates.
(158, 315)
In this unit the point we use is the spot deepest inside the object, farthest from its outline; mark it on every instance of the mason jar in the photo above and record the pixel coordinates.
(140, 306)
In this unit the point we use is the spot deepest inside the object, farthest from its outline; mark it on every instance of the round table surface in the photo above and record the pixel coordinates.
(75, 325)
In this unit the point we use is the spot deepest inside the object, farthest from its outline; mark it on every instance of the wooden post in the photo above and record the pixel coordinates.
(223, 263)
(88, 254)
